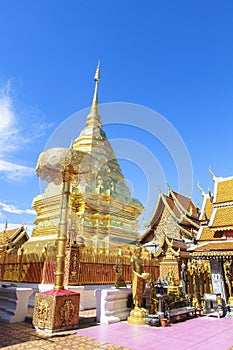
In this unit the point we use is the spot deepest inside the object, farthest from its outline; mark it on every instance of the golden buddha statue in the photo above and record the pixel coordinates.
(139, 279)
(229, 279)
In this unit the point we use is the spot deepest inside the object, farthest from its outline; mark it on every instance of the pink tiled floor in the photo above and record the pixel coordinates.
(201, 333)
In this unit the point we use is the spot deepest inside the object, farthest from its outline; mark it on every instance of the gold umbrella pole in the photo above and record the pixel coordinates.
(62, 235)
(58, 309)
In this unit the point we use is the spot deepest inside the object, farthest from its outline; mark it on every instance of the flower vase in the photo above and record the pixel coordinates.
(163, 322)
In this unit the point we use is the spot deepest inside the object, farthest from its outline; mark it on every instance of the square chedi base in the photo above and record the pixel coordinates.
(56, 310)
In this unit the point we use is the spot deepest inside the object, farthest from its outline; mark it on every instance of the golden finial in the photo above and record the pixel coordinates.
(168, 188)
(4, 236)
(94, 117)
(212, 174)
(97, 73)
(201, 189)
(97, 79)
(5, 229)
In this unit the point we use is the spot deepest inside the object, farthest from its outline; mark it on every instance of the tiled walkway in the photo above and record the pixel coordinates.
(202, 333)
(24, 336)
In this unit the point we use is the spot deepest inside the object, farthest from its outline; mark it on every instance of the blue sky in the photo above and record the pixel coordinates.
(173, 57)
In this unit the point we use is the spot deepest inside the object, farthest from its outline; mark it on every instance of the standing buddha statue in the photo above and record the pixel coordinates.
(139, 279)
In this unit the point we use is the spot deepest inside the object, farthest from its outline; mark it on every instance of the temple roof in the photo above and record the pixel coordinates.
(206, 234)
(222, 218)
(214, 249)
(181, 209)
(11, 234)
(186, 204)
(224, 190)
(179, 244)
(211, 246)
(11, 238)
(178, 212)
(5, 235)
(217, 213)
(172, 205)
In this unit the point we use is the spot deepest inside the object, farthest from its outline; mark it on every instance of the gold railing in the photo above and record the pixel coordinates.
(21, 268)
(92, 268)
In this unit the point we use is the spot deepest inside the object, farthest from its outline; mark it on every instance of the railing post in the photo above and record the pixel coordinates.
(20, 264)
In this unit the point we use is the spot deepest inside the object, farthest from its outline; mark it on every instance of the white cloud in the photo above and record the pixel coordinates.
(9, 135)
(10, 208)
(6, 108)
(16, 132)
(14, 171)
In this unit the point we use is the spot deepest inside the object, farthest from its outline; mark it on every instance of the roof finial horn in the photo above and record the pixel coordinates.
(201, 189)
(212, 174)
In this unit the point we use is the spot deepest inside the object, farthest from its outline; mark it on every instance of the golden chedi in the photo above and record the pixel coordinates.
(104, 213)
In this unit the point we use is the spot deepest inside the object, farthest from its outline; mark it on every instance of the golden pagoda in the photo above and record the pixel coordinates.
(102, 214)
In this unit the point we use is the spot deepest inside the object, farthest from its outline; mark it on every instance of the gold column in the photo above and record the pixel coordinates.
(62, 235)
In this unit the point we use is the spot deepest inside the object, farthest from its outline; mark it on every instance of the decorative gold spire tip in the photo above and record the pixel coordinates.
(169, 190)
(93, 117)
(97, 73)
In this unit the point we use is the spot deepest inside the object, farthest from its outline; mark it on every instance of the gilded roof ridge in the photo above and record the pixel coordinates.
(179, 220)
(204, 206)
(181, 208)
(153, 214)
(212, 216)
(199, 233)
(221, 178)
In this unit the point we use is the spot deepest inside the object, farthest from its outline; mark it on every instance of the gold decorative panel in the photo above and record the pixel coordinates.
(56, 310)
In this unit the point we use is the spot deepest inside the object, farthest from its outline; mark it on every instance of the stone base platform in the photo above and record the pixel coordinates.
(56, 310)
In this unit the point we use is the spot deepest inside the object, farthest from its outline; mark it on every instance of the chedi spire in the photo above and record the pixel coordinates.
(93, 118)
